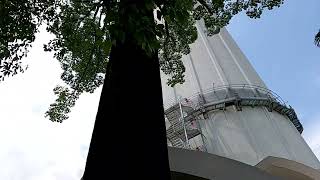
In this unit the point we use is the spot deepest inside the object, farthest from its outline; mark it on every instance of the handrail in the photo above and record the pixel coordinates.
(273, 100)
(171, 102)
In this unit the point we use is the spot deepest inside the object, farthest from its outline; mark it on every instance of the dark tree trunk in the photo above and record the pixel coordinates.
(129, 136)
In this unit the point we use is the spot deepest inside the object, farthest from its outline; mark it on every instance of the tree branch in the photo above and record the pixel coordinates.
(96, 12)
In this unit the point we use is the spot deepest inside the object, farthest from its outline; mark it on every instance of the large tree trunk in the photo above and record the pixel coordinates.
(129, 136)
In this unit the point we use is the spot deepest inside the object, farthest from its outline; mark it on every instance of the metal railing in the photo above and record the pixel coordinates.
(236, 94)
(264, 90)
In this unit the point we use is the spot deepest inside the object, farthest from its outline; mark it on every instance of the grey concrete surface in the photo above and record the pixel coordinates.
(213, 167)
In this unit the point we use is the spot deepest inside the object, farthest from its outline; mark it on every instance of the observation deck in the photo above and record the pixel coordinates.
(197, 106)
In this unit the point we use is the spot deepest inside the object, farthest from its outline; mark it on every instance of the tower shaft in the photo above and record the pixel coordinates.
(227, 108)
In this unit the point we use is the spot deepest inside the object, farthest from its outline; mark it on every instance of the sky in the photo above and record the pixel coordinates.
(279, 45)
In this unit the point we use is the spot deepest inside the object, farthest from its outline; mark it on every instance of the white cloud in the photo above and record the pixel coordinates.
(32, 147)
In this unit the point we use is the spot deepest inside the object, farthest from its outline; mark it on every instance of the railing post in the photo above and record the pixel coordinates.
(183, 124)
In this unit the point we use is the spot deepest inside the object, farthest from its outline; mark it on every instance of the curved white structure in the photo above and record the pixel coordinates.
(227, 108)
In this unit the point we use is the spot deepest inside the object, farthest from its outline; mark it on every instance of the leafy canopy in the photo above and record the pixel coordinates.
(317, 39)
(85, 30)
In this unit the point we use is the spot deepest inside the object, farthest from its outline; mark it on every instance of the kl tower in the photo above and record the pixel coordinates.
(224, 108)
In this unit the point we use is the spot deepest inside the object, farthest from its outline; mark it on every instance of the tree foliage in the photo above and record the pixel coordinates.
(19, 22)
(85, 30)
(317, 39)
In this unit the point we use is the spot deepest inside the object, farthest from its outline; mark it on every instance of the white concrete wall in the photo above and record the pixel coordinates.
(213, 61)
(249, 135)
(253, 134)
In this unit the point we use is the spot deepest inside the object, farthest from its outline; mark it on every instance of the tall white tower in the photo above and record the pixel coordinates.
(224, 107)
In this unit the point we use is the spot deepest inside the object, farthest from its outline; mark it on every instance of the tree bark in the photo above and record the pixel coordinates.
(129, 136)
